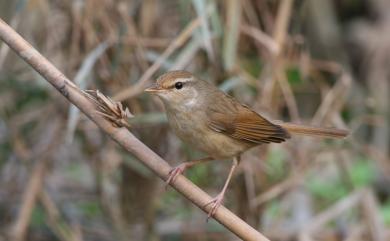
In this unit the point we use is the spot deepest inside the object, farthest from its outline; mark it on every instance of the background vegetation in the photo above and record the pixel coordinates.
(308, 61)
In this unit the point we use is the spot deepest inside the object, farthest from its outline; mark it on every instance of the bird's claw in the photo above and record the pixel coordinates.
(215, 203)
(174, 173)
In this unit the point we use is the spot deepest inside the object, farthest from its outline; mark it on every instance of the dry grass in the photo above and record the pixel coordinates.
(320, 62)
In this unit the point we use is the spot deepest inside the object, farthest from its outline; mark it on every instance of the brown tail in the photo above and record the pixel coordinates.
(313, 131)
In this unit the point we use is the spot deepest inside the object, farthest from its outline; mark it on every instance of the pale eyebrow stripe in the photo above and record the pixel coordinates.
(183, 80)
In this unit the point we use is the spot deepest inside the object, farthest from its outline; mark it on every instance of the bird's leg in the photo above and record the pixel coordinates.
(176, 171)
(217, 201)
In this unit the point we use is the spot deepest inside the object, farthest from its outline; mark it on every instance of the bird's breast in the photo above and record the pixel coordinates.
(192, 127)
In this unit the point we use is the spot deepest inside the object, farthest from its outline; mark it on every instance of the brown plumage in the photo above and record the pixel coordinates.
(314, 131)
(215, 123)
(245, 125)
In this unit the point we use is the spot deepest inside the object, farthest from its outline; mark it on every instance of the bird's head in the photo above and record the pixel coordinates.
(177, 88)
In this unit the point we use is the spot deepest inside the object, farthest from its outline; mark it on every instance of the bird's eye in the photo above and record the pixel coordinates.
(178, 85)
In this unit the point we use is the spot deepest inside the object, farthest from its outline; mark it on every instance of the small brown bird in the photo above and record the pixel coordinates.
(217, 124)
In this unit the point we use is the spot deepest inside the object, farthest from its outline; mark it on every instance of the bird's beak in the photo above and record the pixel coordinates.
(154, 88)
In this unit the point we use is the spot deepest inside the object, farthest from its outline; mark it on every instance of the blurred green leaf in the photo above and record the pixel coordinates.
(327, 190)
(347, 115)
(362, 172)
(252, 64)
(5, 150)
(28, 93)
(199, 174)
(294, 76)
(273, 209)
(38, 217)
(276, 165)
(90, 209)
(385, 212)
(75, 170)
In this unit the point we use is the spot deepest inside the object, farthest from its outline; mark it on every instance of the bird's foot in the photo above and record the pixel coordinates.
(215, 203)
(175, 172)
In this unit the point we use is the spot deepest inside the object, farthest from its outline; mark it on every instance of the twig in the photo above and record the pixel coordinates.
(334, 97)
(33, 188)
(263, 38)
(282, 21)
(280, 33)
(144, 42)
(276, 190)
(121, 135)
(179, 41)
(200, 7)
(331, 213)
(372, 215)
(277, 74)
(36, 180)
(64, 231)
(291, 103)
(232, 32)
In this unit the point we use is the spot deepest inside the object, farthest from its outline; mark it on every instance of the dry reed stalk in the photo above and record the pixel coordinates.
(363, 197)
(372, 216)
(267, 41)
(277, 74)
(280, 33)
(121, 135)
(176, 43)
(36, 181)
(56, 222)
(291, 103)
(276, 190)
(333, 99)
(144, 42)
(232, 33)
(201, 10)
(282, 21)
(33, 188)
(140, 50)
(321, 219)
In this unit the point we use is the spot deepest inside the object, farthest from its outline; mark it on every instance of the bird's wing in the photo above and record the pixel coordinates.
(241, 123)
